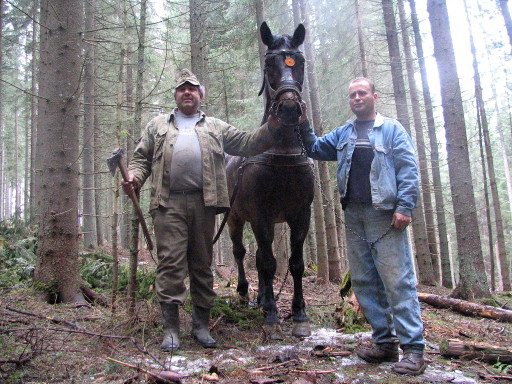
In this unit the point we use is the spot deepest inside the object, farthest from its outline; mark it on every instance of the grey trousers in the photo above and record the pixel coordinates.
(184, 235)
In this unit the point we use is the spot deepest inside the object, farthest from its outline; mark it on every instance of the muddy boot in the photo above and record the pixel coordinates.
(200, 321)
(171, 323)
(412, 363)
(379, 353)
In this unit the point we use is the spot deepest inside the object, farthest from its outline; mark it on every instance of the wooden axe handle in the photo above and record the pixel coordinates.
(138, 211)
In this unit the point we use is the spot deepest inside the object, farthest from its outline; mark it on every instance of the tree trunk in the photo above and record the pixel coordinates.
(17, 191)
(420, 144)
(466, 307)
(33, 106)
(360, 39)
(424, 260)
(198, 41)
(446, 270)
(333, 246)
(471, 351)
(506, 17)
(1, 111)
(496, 205)
(473, 279)
(57, 269)
(88, 147)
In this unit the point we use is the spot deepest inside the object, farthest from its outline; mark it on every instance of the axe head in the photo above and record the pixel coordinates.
(113, 161)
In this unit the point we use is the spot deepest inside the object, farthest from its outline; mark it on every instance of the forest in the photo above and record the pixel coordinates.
(80, 79)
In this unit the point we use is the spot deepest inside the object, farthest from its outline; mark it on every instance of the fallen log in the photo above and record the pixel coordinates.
(474, 350)
(466, 307)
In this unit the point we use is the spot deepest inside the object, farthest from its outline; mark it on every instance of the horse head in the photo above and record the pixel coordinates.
(283, 74)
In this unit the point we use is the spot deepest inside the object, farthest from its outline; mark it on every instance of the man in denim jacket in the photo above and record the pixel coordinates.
(377, 177)
(183, 155)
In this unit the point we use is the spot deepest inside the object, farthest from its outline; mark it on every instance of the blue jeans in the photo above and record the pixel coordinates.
(383, 279)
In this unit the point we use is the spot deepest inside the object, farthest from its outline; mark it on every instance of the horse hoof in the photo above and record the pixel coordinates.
(302, 329)
(273, 332)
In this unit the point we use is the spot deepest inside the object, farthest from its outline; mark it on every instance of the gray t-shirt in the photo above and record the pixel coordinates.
(186, 170)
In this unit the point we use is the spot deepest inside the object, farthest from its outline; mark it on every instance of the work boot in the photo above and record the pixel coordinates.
(379, 353)
(200, 330)
(171, 323)
(412, 363)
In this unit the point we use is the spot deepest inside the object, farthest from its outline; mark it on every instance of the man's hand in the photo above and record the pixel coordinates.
(400, 221)
(129, 186)
(304, 116)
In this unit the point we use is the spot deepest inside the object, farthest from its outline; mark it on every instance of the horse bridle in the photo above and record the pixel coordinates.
(287, 85)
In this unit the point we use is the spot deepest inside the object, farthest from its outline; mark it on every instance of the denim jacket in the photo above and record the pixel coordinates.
(153, 155)
(394, 176)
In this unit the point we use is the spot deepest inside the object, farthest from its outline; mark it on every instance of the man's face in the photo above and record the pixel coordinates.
(362, 100)
(188, 98)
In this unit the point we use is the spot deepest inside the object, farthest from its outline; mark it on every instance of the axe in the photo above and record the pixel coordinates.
(116, 161)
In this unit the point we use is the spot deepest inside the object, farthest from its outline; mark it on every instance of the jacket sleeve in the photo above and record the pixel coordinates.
(241, 143)
(140, 164)
(406, 171)
(319, 148)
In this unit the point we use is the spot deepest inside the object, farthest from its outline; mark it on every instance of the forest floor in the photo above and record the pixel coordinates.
(43, 343)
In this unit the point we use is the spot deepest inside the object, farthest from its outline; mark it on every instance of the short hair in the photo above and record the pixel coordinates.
(359, 79)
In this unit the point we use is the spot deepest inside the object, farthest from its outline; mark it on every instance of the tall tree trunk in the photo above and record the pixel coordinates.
(360, 39)
(33, 105)
(17, 192)
(498, 218)
(139, 91)
(88, 147)
(420, 143)
(198, 41)
(505, 11)
(446, 270)
(473, 279)
(57, 268)
(333, 247)
(487, 205)
(425, 268)
(1, 111)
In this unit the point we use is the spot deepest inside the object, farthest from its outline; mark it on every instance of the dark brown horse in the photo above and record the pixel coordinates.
(276, 186)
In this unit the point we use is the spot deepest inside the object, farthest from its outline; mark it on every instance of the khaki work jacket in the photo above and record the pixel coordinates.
(153, 156)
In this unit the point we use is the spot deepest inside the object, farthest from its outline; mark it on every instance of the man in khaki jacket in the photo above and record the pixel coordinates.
(183, 152)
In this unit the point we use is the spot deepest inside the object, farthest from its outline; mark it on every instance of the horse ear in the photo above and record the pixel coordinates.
(299, 35)
(266, 34)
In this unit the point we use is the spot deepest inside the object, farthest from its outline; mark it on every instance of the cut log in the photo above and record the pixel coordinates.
(466, 307)
(472, 350)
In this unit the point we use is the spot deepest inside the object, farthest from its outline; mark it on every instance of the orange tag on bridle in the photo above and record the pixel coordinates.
(289, 62)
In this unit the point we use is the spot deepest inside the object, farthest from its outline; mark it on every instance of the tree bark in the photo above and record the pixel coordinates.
(472, 350)
(360, 39)
(57, 268)
(444, 249)
(506, 17)
(420, 144)
(424, 260)
(333, 247)
(496, 205)
(88, 145)
(466, 307)
(473, 279)
(33, 106)
(1, 111)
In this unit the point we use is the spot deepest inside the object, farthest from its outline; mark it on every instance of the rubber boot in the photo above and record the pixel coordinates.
(200, 321)
(171, 323)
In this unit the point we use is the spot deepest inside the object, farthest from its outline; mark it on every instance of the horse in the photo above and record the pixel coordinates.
(275, 186)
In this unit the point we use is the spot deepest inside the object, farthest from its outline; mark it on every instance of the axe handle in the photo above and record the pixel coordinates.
(138, 211)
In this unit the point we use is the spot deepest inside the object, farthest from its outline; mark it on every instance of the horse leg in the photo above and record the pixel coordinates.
(266, 266)
(298, 233)
(236, 230)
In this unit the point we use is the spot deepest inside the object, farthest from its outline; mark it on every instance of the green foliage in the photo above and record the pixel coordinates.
(234, 312)
(96, 270)
(503, 367)
(17, 254)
